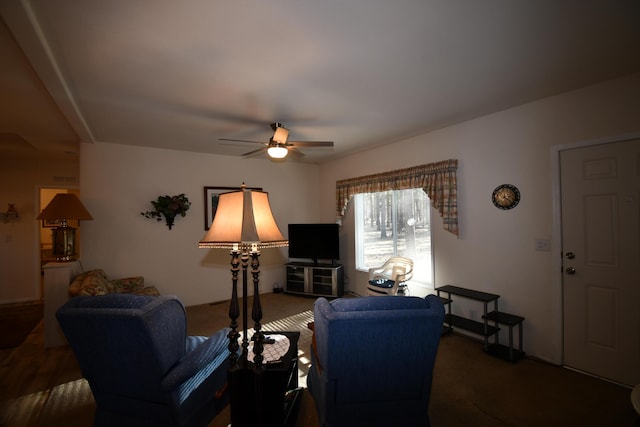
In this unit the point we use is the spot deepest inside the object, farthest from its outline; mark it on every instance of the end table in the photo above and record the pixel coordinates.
(269, 397)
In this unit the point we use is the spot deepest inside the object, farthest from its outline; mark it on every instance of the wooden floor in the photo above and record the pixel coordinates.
(30, 373)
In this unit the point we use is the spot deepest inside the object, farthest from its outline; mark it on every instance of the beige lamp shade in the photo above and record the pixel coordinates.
(65, 206)
(243, 218)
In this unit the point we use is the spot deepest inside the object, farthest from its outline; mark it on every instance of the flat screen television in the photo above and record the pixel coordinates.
(314, 241)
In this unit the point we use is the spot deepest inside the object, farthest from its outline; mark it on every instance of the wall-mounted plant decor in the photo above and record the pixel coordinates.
(168, 207)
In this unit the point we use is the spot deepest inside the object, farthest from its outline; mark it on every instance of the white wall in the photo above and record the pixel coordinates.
(19, 241)
(494, 252)
(118, 182)
(495, 249)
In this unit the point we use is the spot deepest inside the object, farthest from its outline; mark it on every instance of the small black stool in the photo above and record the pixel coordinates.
(511, 320)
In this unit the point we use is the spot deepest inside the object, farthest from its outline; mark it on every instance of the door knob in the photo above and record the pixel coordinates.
(571, 255)
(570, 270)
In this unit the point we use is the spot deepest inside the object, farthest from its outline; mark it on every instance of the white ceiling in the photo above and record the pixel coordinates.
(182, 74)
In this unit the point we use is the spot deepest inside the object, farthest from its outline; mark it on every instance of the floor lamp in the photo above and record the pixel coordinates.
(243, 223)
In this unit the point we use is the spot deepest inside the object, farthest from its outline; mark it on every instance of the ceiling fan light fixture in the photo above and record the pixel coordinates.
(278, 145)
(277, 151)
(280, 135)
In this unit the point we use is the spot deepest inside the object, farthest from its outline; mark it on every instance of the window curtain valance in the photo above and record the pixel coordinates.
(438, 180)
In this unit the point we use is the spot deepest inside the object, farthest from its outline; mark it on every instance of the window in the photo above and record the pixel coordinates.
(394, 223)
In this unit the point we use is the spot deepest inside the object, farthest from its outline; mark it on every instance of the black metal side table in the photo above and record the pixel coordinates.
(508, 353)
(267, 397)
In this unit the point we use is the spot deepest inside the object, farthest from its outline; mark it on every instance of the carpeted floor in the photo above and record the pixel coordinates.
(17, 321)
(71, 402)
(470, 387)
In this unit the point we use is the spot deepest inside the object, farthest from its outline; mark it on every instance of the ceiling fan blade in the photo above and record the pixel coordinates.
(310, 143)
(254, 152)
(279, 138)
(241, 140)
(295, 153)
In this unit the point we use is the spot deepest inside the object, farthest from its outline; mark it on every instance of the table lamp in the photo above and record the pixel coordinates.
(62, 208)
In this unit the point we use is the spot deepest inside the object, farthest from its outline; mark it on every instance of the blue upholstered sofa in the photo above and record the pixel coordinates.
(142, 367)
(373, 359)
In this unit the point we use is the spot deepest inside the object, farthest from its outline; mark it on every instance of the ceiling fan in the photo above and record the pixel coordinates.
(279, 146)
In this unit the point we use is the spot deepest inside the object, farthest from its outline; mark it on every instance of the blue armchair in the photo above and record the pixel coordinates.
(372, 360)
(141, 366)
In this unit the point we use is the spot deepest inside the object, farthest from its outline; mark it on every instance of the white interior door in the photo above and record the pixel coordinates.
(600, 188)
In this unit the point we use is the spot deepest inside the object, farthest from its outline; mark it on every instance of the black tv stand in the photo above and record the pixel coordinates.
(315, 263)
(315, 279)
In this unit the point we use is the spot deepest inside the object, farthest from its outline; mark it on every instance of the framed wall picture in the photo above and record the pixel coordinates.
(211, 195)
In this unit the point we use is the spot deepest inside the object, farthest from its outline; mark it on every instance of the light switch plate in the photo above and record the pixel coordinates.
(543, 245)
